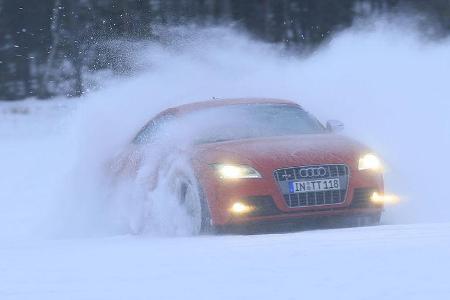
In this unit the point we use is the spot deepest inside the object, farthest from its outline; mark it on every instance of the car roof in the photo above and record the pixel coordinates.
(194, 106)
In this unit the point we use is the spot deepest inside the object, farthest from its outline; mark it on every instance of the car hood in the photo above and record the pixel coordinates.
(286, 151)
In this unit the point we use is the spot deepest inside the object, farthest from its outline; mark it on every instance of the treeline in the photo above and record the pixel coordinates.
(48, 46)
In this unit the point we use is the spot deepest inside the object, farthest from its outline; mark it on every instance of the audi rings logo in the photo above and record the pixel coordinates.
(313, 172)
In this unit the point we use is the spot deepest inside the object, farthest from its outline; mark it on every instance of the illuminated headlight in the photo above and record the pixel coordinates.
(235, 171)
(370, 162)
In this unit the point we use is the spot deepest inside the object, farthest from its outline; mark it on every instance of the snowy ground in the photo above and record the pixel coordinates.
(386, 262)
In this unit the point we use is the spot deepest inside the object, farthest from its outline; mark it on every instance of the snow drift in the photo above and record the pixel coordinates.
(388, 85)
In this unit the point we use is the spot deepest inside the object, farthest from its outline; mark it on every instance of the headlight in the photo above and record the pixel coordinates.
(235, 171)
(370, 162)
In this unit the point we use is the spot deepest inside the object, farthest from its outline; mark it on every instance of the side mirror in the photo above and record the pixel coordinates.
(335, 126)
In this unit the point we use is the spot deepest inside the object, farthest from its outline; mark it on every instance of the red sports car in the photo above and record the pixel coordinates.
(253, 161)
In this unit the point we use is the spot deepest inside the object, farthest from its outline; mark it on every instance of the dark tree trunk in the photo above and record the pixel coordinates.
(78, 88)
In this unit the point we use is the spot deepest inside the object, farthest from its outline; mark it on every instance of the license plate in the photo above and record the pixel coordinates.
(314, 185)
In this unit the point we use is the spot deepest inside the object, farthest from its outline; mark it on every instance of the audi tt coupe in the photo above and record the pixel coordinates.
(254, 161)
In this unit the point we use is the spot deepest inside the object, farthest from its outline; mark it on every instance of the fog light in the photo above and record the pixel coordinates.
(377, 198)
(240, 208)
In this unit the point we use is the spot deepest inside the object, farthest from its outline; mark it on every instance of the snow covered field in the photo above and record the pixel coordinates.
(57, 237)
(386, 262)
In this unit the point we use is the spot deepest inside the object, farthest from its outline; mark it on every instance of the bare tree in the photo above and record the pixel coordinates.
(55, 34)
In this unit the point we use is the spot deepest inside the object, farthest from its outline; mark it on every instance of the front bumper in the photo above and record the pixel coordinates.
(263, 208)
(266, 199)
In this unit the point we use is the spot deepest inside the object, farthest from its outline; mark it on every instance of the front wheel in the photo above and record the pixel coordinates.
(174, 204)
(366, 220)
(193, 204)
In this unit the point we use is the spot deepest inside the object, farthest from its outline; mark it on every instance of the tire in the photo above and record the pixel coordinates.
(369, 220)
(191, 198)
(375, 220)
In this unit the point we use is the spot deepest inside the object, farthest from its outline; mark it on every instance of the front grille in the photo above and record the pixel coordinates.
(294, 200)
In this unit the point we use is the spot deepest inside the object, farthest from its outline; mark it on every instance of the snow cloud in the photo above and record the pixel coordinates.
(388, 85)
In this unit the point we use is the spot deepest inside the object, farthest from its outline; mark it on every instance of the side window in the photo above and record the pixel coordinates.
(149, 131)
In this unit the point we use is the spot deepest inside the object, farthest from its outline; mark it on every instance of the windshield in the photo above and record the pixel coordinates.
(235, 122)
